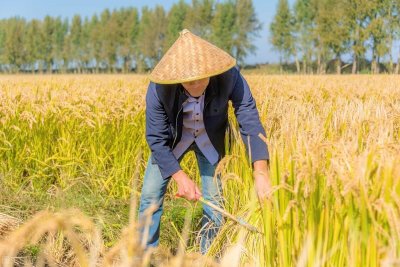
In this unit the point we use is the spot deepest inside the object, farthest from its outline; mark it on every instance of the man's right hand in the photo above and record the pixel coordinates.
(186, 187)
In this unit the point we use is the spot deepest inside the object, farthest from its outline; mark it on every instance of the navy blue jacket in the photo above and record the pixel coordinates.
(164, 118)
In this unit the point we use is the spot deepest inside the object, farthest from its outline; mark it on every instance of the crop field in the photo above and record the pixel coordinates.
(73, 154)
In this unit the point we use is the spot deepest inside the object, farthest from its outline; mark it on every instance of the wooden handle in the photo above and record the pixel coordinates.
(230, 216)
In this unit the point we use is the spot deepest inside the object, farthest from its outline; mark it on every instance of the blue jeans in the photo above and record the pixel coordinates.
(153, 191)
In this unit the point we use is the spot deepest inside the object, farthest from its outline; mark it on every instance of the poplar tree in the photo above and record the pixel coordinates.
(14, 48)
(199, 17)
(48, 42)
(85, 55)
(397, 32)
(357, 20)
(332, 30)
(392, 21)
(111, 40)
(75, 41)
(151, 36)
(129, 29)
(282, 31)
(95, 42)
(176, 19)
(107, 28)
(377, 32)
(223, 26)
(33, 43)
(247, 27)
(304, 23)
(58, 39)
(2, 41)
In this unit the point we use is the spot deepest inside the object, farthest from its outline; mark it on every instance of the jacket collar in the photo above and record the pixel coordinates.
(181, 95)
(211, 91)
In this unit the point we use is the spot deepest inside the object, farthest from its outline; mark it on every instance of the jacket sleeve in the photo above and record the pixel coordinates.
(157, 134)
(248, 119)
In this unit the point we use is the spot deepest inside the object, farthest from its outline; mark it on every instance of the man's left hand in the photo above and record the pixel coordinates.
(261, 179)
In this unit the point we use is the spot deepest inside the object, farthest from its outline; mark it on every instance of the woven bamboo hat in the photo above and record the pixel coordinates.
(191, 58)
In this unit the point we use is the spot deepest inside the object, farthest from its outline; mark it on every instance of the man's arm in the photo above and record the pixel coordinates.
(157, 139)
(248, 118)
(250, 127)
(157, 134)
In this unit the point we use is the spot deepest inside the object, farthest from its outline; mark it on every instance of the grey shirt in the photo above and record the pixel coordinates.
(193, 130)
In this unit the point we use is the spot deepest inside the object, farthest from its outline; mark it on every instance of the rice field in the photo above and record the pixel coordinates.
(73, 153)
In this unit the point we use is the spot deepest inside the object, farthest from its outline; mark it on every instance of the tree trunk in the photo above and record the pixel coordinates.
(85, 67)
(391, 37)
(354, 68)
(374, 61)
(323, 68)
(126, 64)
(378, 70)
(297, 65)
(49, 67)
(41, 68)
(96, 68)
(140, 65)
(321, 65)
(398, 64)
(65, 66)
(338, 65)
(391, 64)
(373, 66)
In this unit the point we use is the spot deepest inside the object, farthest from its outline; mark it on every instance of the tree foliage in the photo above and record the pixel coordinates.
(123, 40)
(324, 30)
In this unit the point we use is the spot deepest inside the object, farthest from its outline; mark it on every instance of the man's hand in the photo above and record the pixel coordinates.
(261, 179)
(186, 187)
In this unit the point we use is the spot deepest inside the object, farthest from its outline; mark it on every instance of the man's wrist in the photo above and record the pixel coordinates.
(260, 165)
(179, 174)
(260, 169)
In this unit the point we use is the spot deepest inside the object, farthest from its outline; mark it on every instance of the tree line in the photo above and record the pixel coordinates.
(316, 34)
(122, 40)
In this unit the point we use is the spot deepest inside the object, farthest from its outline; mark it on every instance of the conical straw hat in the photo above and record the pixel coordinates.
(191, 58)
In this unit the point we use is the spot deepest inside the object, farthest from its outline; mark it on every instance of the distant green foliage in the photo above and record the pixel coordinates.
(123, 40)
(322, 31)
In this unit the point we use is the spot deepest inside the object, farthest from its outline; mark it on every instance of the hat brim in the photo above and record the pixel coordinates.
(154, 80)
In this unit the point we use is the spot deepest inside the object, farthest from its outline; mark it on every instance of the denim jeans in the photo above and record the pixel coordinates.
(153, 191)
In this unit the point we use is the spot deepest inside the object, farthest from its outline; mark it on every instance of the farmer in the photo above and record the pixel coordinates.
(186, 110)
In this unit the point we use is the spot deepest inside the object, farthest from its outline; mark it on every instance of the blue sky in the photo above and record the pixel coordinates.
(67, 8)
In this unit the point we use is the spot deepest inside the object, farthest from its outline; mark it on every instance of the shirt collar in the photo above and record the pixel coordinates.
(192, 98)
